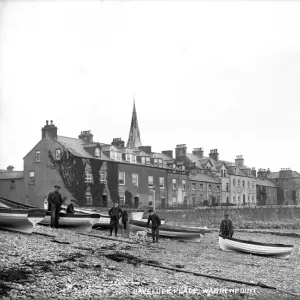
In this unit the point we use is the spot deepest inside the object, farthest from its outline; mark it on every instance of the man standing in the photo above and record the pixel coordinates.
(115, 214)
(154, 218)
(55, 201)
(226, 227)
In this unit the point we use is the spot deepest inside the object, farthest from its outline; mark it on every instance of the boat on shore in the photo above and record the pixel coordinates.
(78, 221)
(20, 220)
(255, 248)
(168, 231)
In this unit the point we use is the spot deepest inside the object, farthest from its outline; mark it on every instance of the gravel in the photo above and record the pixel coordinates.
(62, 264)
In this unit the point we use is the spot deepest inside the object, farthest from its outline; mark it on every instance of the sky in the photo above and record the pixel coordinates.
(213, 74)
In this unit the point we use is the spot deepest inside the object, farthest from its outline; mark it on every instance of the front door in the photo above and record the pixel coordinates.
(244, 199)
(136, 202)
(104, 200)
(163, 202)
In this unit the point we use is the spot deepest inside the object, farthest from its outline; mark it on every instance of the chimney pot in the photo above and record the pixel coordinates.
(47, 122)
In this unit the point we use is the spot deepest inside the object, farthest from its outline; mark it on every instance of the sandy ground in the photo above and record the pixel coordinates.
(62, 264)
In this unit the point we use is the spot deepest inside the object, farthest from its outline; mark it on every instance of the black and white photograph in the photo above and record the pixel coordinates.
(148, 149)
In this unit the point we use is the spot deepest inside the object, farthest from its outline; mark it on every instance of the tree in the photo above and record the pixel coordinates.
(113, 180)
(261, 195)
(71, 169)
(294, 197)
(128, 198)
(97, 187)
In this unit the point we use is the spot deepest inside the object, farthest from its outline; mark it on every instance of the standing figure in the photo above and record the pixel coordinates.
(125, 219)
(154, 218)
(55, 200)
(70, 208)
(226, 227)
(115, 214)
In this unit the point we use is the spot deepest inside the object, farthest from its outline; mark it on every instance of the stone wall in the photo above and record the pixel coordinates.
(239, 215)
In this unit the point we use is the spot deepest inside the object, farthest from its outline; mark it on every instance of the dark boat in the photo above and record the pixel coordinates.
(168, 231)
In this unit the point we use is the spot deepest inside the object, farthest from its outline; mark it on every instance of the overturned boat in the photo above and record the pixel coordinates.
(251, 247)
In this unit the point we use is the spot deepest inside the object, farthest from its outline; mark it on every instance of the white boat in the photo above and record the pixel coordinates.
(251, 247)
(20, 220)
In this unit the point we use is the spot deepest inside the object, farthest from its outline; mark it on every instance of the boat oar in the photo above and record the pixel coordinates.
(259, 284)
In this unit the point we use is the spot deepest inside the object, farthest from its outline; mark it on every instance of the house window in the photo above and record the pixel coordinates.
(193, 187)
(57, 154)
(269, 192)
(162, 182)
(218, 188)
(12, 185)
(239, 182)
(160, 162)
(148, 161)
(127, 157)
(201, 186)
(221, 173)
(183, 184)
(37, 156)
(227, 187)
(119, 156)
(133, 158)
(209, 187)
(252, 184)
(113, 155)
(233, 199)
(88, 199)
(88, 176)
(31, 179)
(97, 152)
(155, 162)
(233, 182)
(224, 173)
(121, 178)
(150, 180)
(174, 196)
(122, 198)
(243, 182)
(151, 197)
(248, 183)
(102, 176)
(143, 160)
(238, 198)
(174, 182)
(135, 179)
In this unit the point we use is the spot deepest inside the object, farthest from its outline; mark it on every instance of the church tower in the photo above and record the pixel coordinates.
(134, 139)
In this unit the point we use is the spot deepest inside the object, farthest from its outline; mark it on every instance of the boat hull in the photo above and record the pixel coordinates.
(77, 222)
(173, 232)
(20, 220)
(262, 249)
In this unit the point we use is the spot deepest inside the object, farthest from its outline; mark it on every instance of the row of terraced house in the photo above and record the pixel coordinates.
(98, 174)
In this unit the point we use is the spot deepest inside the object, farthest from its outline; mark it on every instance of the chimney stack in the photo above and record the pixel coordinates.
(49, 131)
(180, 150)
(117, 142)
(168, 152)
(285, 173)
(10, 168)
(86, 136)
(214, 154)
(199, 152)
(253, 172)
(239, 160)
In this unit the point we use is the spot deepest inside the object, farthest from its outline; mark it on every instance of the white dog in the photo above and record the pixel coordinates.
(141, 234)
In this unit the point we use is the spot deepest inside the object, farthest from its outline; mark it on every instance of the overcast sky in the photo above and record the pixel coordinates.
(218, 75)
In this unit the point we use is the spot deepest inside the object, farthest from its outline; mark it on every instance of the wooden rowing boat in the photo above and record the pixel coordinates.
(168, 231)
(77, 222)
(20, 220)
(251, 247)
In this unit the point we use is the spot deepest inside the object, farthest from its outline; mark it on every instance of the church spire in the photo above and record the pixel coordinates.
(134, 139)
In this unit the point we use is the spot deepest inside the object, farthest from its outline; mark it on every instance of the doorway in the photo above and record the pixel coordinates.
(104, 200)
(163, 202)
(136, 202)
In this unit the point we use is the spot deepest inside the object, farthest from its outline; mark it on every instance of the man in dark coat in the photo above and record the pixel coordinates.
(70, 208)
(226, 227)
(115, 214)
(154, 218)
(55, 201)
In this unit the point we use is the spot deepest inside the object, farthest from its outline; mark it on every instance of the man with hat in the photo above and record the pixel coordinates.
(226, 227)
(70, 208)
(55, 200)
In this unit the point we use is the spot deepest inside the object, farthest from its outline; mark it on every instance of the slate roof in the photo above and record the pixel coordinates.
(265, 182)
(203, 177)
(165, 157)
(75, 146)
(12, 175)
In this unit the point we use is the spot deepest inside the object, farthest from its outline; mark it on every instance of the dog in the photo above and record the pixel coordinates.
(141, 234)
